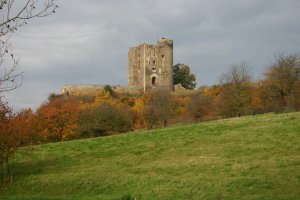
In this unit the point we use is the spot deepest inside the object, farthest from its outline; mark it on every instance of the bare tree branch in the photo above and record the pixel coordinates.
(10, 76)
(284, 73)
(13, 15)
(237, 75)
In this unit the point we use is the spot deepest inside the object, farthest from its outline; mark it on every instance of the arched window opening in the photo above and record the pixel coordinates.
(153, 81)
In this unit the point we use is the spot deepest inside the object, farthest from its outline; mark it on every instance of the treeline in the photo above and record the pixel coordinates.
(63, 118)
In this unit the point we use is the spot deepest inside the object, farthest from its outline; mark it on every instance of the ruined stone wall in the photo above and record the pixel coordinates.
(72, 89)
(150, 66)
(85, 89)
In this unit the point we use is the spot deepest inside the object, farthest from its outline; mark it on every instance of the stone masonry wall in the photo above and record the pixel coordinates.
(150, 66)
(82, 89)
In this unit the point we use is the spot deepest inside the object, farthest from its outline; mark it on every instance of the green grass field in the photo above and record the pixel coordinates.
(255, 157)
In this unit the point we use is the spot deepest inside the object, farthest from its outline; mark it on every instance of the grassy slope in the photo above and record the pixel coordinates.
(241, 158)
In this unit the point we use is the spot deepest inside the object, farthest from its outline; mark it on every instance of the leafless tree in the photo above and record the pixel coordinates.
(237, 75)
(236, 91)
(13, 15)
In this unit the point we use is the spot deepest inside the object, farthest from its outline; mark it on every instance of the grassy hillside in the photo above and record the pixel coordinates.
(255, 157)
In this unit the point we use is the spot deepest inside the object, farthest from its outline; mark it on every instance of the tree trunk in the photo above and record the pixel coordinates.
(6, 169)
(9, 170)
(165, 122)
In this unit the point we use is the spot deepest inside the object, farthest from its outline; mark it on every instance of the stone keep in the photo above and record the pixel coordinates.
(150, 66)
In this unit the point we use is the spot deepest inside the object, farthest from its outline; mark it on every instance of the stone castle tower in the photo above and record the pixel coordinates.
(150, 66)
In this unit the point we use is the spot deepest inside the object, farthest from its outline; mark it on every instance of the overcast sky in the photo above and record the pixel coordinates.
(86, 42)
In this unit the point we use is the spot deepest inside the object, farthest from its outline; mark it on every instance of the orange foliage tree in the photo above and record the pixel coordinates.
(181, 103)
(25, 126)
(8, 140)
(14, 132)
(138, 112)
(58, 119)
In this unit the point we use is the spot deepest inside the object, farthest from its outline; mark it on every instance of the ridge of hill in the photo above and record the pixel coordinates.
(252, 157)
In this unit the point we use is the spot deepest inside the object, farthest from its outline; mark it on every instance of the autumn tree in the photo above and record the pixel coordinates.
(182, 74)
(105, 97)
(16, 129)
(181, 105)
(159, 106)
(235, 98)
(8, 140)
(58, 119)
(138, 109)
(268, 96)
(105, 119)
(283, 77)
(14, 15)
(198, 107)
(25, 125)
(130, 101)
(149, 116)
(212, 91)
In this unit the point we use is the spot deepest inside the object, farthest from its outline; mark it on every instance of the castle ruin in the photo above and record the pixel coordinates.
(150, 67)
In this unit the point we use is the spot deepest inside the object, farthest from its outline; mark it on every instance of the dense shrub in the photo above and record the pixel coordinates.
(105, 120)
(108, 89)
